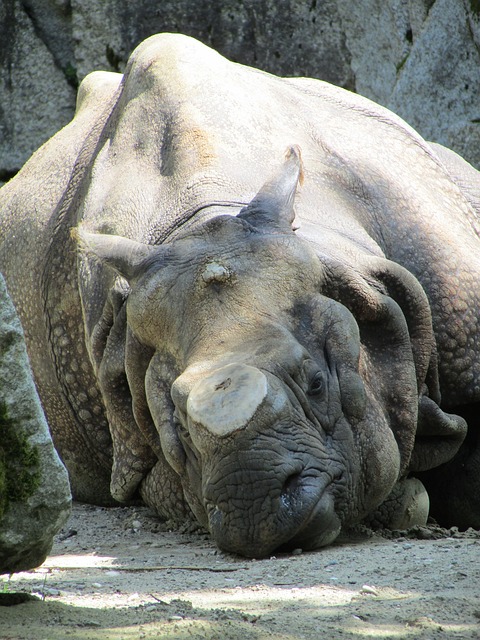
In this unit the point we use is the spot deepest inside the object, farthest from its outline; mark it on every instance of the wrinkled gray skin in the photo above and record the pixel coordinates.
(202, 345)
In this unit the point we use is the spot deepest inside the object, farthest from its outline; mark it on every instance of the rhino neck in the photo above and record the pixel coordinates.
(189, 221)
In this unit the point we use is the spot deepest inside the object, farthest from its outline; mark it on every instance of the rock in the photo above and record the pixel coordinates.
(376, 34)
(34, 490)
(421, 59)
(31, 82)
(290, 38)
(438, 86)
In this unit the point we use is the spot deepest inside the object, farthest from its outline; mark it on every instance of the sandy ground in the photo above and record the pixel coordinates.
(118, 574)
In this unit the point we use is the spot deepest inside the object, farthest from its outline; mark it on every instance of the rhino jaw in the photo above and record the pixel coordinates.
(226, 400)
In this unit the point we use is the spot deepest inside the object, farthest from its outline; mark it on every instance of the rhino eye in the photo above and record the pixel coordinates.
(317, 385)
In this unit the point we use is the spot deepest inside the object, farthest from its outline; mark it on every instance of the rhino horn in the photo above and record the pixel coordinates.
(226, 400)
(273, 206)
(122, 254)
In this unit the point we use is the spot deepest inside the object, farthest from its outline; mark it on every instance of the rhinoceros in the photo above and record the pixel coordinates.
(251, 302)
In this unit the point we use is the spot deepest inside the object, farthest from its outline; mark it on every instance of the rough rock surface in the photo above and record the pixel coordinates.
(35, 97)
(34, 490)
(420, 58)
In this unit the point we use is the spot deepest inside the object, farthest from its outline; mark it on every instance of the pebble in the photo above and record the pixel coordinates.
(367, 589)
(297, 552)
(97, 585)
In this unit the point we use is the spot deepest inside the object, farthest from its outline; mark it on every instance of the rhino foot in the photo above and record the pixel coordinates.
(406, 506)
(161, 490)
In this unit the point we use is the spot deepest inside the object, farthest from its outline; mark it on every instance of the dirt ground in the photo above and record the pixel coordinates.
(118, 574)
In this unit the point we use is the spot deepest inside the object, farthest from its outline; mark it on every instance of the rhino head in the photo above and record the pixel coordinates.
(280, 386)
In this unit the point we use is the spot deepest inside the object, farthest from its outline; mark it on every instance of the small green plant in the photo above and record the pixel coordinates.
(6, 584)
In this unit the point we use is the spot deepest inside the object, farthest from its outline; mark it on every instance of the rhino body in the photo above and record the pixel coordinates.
(251, 299)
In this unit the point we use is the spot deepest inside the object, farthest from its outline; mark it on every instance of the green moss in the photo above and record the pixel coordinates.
(114, 60)
(71, 75)
(3, 484)
(475, 6)
(19, 464)
(402, 62)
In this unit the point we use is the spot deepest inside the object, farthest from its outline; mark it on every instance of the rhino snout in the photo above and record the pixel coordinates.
(258, 487)
(289, 509)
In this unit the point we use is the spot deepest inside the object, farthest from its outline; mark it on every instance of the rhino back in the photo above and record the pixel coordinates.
(193, 135)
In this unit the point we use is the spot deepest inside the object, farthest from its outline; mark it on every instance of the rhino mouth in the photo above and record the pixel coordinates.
(303, 516)
(320, 529)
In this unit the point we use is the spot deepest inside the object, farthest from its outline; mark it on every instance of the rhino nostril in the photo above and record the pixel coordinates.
(291, 485)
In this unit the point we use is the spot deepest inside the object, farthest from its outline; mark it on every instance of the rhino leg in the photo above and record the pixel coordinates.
(162, 490)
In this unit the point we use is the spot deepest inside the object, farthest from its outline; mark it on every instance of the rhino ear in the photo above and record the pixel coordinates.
(273, 204)
(394, 318)
(126, 256)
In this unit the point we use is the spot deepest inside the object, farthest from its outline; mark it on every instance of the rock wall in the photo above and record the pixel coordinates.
(421, 58)
(34, 490)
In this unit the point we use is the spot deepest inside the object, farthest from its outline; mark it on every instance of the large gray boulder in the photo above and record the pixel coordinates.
(36, 98)
(34, 490)
(418, 57)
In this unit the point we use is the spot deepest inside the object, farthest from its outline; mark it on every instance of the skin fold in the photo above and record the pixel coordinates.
(255, 302)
